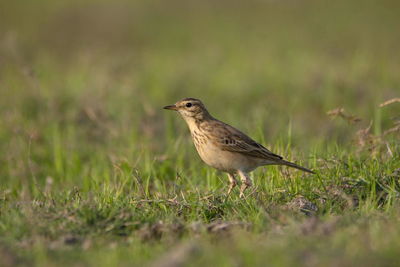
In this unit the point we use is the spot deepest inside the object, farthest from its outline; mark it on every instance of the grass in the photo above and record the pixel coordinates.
(94, 172)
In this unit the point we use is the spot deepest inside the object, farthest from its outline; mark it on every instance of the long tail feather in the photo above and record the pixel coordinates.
(291, 164)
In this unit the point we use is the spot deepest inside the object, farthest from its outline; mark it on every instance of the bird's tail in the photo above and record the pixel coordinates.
(291, 164)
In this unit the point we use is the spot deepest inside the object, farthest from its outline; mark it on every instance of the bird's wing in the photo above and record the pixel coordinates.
(233, 140)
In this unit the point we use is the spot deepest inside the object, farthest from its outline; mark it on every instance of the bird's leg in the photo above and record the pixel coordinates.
(246, 182)
(232, 182)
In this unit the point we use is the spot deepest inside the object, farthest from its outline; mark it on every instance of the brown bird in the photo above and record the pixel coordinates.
(225, 148)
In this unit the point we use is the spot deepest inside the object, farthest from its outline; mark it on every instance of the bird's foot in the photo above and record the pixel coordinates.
(232, 185)
(246, 182)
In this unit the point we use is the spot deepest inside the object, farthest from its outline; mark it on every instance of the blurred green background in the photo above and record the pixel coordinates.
(93, 75)
(270, 61)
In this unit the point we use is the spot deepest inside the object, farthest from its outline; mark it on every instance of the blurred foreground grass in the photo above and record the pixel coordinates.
(94, 172)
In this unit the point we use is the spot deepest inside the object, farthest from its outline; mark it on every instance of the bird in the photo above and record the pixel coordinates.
(224, 147)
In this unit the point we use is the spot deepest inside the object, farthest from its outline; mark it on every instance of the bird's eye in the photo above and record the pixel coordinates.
(188, 105)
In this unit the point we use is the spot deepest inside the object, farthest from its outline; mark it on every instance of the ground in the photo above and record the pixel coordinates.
(94, 171)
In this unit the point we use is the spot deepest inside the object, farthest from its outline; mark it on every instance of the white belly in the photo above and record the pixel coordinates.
(220, 159)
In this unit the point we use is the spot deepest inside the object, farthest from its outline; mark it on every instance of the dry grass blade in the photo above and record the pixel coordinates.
(367, 140)
(390, 101)
(396, 128)
(340, 112)
(171, 201)
(220, 226)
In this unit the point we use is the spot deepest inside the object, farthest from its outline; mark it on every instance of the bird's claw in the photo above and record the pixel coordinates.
(243, 188)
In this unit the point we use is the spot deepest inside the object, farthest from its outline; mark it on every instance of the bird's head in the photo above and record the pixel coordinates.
(190, 108)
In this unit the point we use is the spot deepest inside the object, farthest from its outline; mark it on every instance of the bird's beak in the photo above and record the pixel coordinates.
(171, 107)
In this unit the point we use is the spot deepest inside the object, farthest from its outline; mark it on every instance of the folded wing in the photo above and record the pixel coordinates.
(231, 139)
